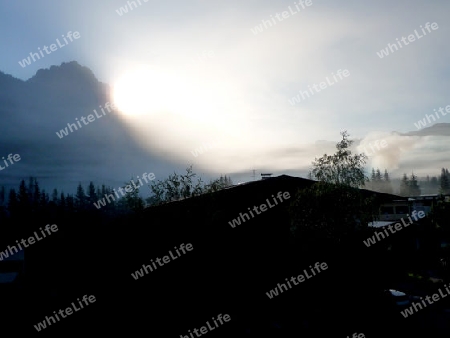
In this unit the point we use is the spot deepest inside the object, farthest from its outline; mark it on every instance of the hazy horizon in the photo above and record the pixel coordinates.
(243, 82)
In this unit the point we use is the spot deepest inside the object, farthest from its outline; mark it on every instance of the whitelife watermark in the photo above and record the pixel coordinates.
(166, 259)
(53, 47)
(204, 329)
(422, 123)
(10, 158)
(124, 10)
(90, 118)
(411, 38)
(418, 306)
(280, 17)
(64, 313)
(373, 240)
(31, 240)
(303, 95)
(128, 189)
(300, 278)
(263, 207)
(378, 146)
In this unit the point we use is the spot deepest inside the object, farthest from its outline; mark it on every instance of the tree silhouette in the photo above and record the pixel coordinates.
(132, 200)
(80, 198)
(404, 186)
(387, 183)
(177, 187)
(92, 193)
(414, 189)
(2, 195)
(342, 167)
(13, 203)
(55, 196)
(445, 182)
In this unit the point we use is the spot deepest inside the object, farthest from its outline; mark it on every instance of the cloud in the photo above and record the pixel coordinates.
(423, 155)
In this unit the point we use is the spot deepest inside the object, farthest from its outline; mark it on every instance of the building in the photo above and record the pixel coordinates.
(401, 208)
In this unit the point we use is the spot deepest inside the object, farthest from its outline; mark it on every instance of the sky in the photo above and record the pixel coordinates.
(223, 75)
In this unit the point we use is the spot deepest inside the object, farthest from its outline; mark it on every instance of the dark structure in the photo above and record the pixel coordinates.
(230, 270)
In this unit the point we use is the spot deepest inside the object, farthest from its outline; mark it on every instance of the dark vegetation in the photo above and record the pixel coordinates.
(229, 270)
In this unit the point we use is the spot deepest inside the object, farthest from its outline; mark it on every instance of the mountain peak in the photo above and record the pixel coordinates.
(437, 129)
(68, 71)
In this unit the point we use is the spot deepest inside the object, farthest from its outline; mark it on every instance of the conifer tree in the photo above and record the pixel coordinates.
(387, 183)
(404, 186)
(80, 198)
(55, 196)
(445, 182)
(2, 195)
(13, 202)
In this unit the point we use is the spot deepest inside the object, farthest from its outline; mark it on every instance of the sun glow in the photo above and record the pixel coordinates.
(173, 111)
(142, 91)
(150, 91)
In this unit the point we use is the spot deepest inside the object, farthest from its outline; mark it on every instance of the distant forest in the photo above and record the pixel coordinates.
(409, 186)
(30, 200)
(103, 201)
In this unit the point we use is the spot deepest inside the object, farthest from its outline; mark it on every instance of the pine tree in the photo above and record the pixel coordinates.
(132, 200)
(386, 176)
(387, 183)
(98, 193)
(445, 182)
(373, 177)
(43, 200)
(70, 204)
(55, 196)
(414, 189)
(80, 198)
(404, 186)
(370, 183)
(62, 203)
(92, 193)
(30, 190)
(36, 196)
(23, 199)
(13, 203)
(426, 185)
(377, 181)
(434, 184)
(3, 208)
(378, 175)
(2, 196)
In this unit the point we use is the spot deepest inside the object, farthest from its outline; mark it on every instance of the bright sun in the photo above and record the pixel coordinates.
(143, 91)
(181, 108)
(148, 91)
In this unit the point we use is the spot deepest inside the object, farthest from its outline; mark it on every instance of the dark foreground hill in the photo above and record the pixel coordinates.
(229, 270)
